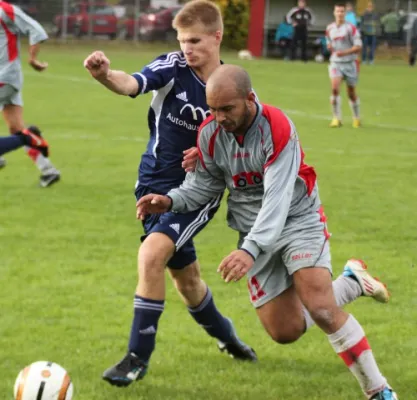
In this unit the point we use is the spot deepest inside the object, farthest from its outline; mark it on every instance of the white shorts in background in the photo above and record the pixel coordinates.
(349, 71)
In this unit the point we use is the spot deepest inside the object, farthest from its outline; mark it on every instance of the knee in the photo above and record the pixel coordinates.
(352, 94)
(286, 333)
(323, 316)
(187, 281)
(335, 92)
(153, 256)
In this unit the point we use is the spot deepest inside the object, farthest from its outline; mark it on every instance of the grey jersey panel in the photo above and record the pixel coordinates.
(265, 175)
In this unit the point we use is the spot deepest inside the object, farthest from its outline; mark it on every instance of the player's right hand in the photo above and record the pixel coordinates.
(97, 64)
(190, 159)
(38, 65)
(152, 204)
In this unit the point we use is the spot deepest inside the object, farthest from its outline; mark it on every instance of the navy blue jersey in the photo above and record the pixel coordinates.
(178, 107)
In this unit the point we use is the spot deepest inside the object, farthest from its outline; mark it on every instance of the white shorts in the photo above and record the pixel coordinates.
(349, 71)
(304, 243)
(10, 95)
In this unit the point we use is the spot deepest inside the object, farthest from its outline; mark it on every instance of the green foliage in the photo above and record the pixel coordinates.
(236, 21)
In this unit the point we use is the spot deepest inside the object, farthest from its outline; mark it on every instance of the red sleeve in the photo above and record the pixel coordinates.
(212, 140)
(281, 131)
(8, 9)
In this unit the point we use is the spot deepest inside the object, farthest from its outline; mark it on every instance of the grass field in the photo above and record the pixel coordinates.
(68, 254)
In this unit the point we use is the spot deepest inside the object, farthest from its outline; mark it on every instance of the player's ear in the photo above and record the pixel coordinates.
(219, 36)
(251, 97)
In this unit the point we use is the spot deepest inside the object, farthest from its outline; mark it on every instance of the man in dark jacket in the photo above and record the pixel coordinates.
(301, 18)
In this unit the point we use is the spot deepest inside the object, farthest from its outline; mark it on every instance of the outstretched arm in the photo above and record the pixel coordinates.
(117, 81)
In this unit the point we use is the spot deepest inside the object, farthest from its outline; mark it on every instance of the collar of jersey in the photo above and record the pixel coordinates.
(196, 76)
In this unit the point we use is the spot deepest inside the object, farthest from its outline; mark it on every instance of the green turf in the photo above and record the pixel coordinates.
(68, 254)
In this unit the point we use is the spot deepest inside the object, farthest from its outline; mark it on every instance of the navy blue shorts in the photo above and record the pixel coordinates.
(181, 228)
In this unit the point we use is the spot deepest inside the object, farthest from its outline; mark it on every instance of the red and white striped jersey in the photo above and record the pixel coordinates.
(13, 23)
(343, 37)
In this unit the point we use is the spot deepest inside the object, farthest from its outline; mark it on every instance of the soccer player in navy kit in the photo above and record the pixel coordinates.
(178, 107)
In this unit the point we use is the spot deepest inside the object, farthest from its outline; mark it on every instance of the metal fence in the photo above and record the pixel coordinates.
(126, 19)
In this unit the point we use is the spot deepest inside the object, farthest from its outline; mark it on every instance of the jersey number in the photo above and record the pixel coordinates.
(255, 290)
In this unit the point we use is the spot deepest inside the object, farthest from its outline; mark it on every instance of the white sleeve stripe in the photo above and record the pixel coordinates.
(170, 57)
(145, 83)
(168, 64)
(183, 65)
(312, 16)
(291, 12)
(167, 59)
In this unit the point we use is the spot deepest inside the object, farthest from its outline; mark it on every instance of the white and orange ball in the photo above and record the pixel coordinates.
(43, 380)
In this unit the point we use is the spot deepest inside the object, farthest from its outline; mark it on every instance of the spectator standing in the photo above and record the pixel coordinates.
(369, 27)
(351, 15)
(300, 18)
(391, 26)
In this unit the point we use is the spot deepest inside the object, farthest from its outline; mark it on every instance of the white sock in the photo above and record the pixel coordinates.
(351, 345)
(345, 291)
(354, 105)
(44, 164)
(336, 103)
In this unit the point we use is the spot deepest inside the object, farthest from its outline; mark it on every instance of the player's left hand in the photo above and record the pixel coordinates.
(236, 265)
(190, 159)
(152, 204)
(340, 53)
(38, 65)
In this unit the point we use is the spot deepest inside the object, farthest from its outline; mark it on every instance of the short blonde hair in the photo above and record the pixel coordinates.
(202, 12)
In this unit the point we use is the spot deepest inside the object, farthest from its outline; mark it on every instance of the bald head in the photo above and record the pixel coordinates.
(230, 78)
(230, 98)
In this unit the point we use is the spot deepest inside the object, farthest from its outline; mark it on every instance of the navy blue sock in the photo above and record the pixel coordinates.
(144, 326)
(9, 143)
(208, 316)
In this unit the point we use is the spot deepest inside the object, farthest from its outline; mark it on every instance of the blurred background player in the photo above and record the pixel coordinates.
(178, 107)
(275, 206)
(14, 22)
(300, 18)
(344, 42)
(28, 137)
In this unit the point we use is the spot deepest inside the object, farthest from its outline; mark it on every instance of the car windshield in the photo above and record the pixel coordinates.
(102, 10)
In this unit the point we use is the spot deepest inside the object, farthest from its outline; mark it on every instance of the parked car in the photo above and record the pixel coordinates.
(154, 25)
(99, 17)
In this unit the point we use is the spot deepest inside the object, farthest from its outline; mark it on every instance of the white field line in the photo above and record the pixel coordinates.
(299, 113)
(113, 138)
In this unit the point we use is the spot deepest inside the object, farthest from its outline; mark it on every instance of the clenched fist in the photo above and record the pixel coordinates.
(97, 64)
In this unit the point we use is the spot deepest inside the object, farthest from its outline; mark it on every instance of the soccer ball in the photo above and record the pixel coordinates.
(245, 55)
(43, 380)
(319, 58)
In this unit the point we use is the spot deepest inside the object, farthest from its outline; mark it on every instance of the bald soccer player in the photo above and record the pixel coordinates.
(253, 150)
